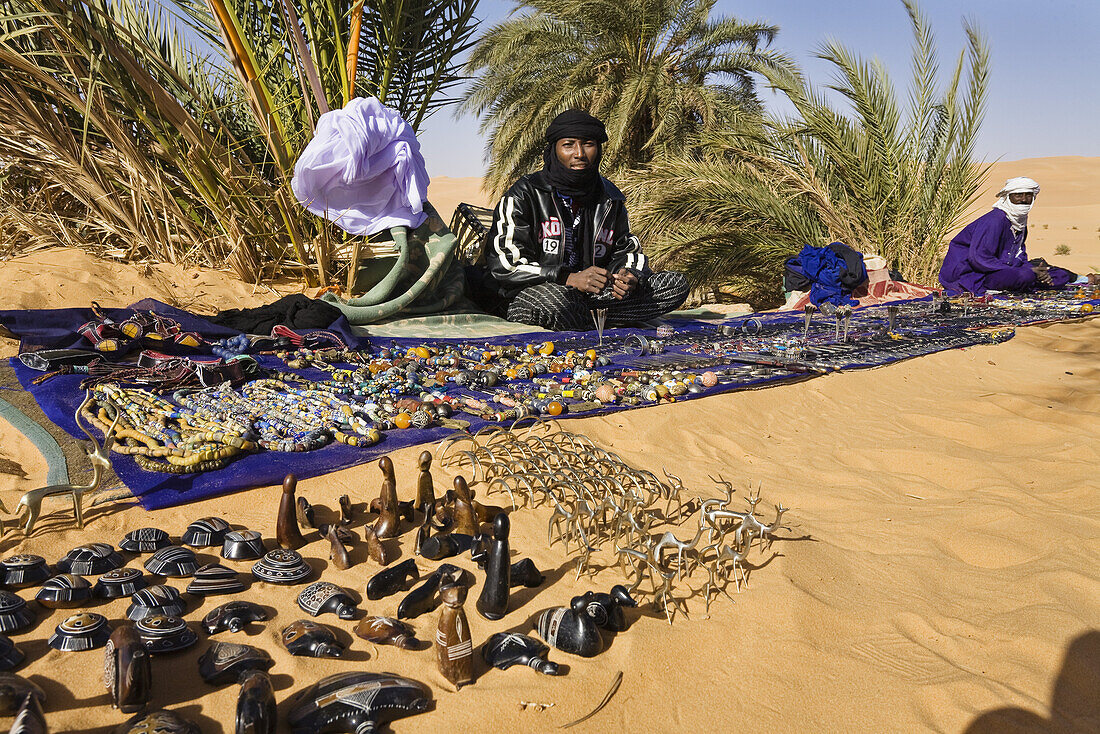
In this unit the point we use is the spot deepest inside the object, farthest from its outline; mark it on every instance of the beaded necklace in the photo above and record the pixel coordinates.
(159, 437)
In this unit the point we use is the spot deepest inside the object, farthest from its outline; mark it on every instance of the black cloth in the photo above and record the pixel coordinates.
(295, 311)
(575, 226)
(576, 124)
(583, 186)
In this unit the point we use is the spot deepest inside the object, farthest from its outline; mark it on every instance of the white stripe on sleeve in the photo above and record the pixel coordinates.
(505, 247)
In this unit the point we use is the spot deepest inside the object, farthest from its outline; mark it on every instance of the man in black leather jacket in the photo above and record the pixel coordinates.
(560, 245)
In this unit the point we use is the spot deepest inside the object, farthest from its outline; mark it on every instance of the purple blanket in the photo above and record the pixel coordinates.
(60, 396)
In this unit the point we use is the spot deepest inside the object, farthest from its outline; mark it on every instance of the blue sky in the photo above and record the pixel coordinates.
(1042, 100)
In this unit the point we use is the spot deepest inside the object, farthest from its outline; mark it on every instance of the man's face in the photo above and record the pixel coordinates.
(1024, 197)
(575, 153)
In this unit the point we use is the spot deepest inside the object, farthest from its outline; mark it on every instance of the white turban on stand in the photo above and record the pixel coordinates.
(363, 170)
(1017, 213)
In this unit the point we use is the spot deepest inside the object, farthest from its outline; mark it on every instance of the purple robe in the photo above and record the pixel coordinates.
(985, 255)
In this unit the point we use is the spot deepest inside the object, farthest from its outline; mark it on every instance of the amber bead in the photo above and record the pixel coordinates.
(402, 420)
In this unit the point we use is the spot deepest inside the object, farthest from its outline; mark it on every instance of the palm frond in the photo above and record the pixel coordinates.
(656, 71)
(735, 204)
(120, 136)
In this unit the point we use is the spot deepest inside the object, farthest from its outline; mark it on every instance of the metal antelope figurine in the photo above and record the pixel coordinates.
(100, 457)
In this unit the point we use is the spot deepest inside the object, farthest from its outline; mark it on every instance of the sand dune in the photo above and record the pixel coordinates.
(942, 561)
(446, 193)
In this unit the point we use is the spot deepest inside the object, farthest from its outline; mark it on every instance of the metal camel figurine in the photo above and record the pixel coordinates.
(100, 457)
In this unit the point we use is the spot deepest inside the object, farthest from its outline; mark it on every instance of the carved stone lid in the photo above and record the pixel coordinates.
(172, 560)
(282, 566)
(205, 532)
(94, 558)
(144, 540)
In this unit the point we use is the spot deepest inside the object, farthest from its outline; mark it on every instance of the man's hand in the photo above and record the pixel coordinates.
(625, 283)
(1042, 272)
(589, 280)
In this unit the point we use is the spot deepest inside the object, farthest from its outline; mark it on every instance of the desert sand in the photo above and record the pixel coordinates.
(941, 571)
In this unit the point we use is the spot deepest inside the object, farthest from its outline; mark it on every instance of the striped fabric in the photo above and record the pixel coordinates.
(561, 308)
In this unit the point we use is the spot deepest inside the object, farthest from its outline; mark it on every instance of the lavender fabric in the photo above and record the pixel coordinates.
(363, 170)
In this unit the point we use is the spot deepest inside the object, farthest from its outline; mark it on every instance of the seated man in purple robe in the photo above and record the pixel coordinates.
(989, 254)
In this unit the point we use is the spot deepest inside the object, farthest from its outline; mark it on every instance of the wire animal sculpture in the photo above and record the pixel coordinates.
(600, 504)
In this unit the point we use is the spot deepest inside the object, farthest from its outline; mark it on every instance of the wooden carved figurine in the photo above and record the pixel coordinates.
(338, 553)
(388, 631)
(486, 513)
(14, 690)
(422, 599)
(233, 616)
(256, 712)
(287, 533)
(425, 530)
(392, 580)
(388, 524)
(570, 629)
(29, 719)
(310, 639)
(493, 601)
(126, 671)
(307, 516)
(425, 490)
(525, 573)
(160, 721)
(454, 649)
(606, 610)
(357, 702)
(465, 521)
(375, 549)
(505, 649)
(345, 510)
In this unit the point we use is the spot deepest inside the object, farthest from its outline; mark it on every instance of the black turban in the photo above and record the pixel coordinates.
(576, 124)
(584, 187)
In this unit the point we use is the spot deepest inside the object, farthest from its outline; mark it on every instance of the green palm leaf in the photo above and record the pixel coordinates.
(884, 179)
(655, 71)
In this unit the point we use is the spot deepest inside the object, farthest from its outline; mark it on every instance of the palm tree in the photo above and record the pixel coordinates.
(655, 71)
(117, 134)
(745, 198)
